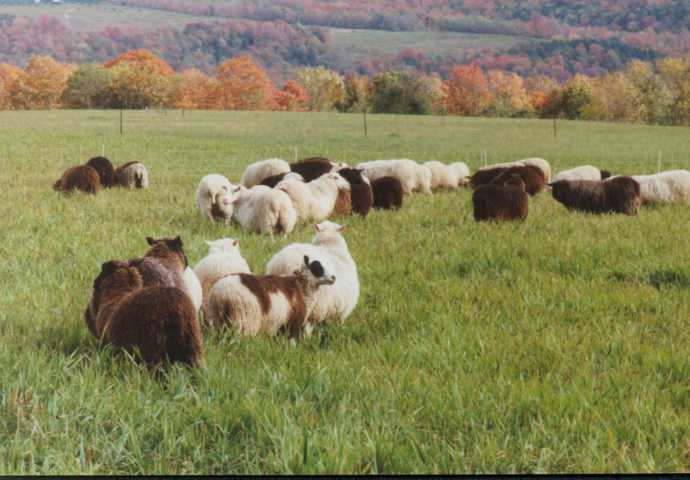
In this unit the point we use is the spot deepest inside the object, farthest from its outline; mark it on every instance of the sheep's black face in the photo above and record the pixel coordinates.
(316, 269)
(559, 189)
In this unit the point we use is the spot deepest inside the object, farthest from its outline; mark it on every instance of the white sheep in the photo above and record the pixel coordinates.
(223, 259)
(413, 176)
(211, 197)
(335, 302)
(462, 171)
(314, 200)
(262, 209)
(193, 288)
(447, 176)
(672, 186)
(255, 173)
(255, 304)
(540, 163)
(584, 172)
(132, 175)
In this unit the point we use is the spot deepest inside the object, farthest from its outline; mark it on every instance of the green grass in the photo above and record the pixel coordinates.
(560, 344)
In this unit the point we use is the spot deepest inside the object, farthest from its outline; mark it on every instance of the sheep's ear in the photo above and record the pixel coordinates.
(316, 226)
(237, 189)
(109, 267)
(175, 243)
(306, 260)
(150, 240)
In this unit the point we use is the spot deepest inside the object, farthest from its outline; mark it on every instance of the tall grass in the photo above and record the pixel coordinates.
(557, 345)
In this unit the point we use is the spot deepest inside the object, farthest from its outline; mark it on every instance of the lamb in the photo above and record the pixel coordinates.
(672, 186)
(388, 193)
(211, 197)
(413, 177)
(131, 175)
(361, 194)
(223, 259)
(617, 195)
(532, 176)
(255, 173)
(312, 168)
(447, 177)
(584, 172)
(158, 322)
(274, 180)
(82, 178)
(317, 199)
(540, 163)
(502, 201)
(104, 168)
(262, 210)
(331, 302)
(254, 304)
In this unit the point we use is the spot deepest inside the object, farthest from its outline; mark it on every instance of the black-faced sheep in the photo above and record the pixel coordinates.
(104, 168)
(158, 322)
(312, 168)
(254, 304)
(212, 197)
(388, 193)
(82, 178)
(617, 195)
(501, 201)
(361, 194)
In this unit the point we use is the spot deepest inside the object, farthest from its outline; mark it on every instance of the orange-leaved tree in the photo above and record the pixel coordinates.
(292, 97)
(509, 94)
(140, 79)
(144, 59)
(466, 92)
(40, 85)
(193, 90)
(243, 85)
(8, 74)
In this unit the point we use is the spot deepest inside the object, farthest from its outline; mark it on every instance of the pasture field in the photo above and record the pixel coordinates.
(560, 344)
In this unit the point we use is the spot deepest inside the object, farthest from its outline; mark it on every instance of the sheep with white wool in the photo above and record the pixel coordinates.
(193, 288)
(314, 200)
(672, 186)
(223, 259)
(540, 163)
(211, 197)
(261, 209)
(584, 172)
(413, 176)
(268, 303)
(255, 173)
(445, 176)
(335, 302)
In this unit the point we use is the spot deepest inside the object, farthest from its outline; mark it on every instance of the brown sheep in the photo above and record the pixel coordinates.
(312, 168)
(534, 178)
(501, 201)
(131, 175)
(605, 174)
(362, 197)
(388, 193)
(82, 178)
(158, 322)
(484, 177)
(619, 195)
(164, 264)
(343, 202)
(105, 170)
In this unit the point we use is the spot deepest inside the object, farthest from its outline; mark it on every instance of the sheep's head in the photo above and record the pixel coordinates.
(352, 175)
(314, 273)
(560, 189)
(224, 245)
(605, 174)
(514, 180)
(340, 182)
(162, 247)
(329, 227)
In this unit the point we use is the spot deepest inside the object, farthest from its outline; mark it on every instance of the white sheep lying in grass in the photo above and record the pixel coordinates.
(262, 209)
(413, 176)
(255, 304)
(672, 186)
(193, 287)
(211, 197)
(584, 172)
(223, 259)
(447, 176)
(540, 163)
(255, 173)
(334, 302)
(314, 200)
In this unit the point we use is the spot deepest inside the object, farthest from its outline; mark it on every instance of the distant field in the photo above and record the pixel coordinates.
(98, 17)
(556, 345)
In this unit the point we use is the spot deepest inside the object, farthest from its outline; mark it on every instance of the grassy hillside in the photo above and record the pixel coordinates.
(560, 344)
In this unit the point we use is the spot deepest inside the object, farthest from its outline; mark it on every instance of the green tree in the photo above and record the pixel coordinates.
(89, 87)
(398, 92)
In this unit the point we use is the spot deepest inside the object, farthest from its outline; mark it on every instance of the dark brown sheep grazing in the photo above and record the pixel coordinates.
(484, 177)
(164, 264)
(605, 174)
(534, 178)
(312, 168)
(158, 322)
(361, 195)
(273, 180)
(105, 170)
(388, 193)
(619, 195)
(501, 201)
(82, 178)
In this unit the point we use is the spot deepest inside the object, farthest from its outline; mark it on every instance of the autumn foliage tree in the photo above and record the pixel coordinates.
(41, 85)
(325, 88)
(509, 96)
(8, 74)
(293, 97)
(89, 86)
(193, 90)
(467, 91)
(144, 59)
(242, 85)
(140, 80)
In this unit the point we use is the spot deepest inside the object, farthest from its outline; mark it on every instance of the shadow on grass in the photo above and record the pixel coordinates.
(657, 279)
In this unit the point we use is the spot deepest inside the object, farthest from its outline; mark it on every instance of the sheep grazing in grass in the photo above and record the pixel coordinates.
(361, 194)
(312, 168)
(672, 186)
(212, 199)
(315, 200)
(448, 177)
(131, 175)
(81, 178)
(388, 193)
(255, 173)
(617, 195)
(540, 163)
(501, 201)
(193, 288)
(413, 176)
(223, 259)
(274, 180)
(163, 264)
(584, 172)
(105, 170)
(160, 323)
(343, 202)
(255, 304)
(261, 209)
(334, 302)
(532, 176)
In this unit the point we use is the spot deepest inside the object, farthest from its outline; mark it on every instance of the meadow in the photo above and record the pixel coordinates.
(560, 344)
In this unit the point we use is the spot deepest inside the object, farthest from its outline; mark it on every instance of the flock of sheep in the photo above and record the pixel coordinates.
(151, 304)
